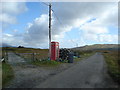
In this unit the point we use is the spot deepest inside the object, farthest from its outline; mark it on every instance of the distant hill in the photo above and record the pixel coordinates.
(6, 45)
(97, 47)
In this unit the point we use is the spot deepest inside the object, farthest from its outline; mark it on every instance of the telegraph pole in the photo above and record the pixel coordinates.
(50, 30)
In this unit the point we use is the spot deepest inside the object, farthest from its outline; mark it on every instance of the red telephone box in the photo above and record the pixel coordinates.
(54, 50)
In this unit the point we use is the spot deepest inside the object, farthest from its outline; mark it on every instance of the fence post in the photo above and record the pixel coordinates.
(6, 55)
(33, 56)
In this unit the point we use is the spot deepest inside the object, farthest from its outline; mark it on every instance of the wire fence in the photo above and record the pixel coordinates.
(33, 56)
(4, 57)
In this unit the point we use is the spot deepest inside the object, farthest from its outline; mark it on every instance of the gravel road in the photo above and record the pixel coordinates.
(14, 60)
(89, 73)
(28, 76)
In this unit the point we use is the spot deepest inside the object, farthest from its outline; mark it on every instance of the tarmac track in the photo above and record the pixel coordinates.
(89, 73)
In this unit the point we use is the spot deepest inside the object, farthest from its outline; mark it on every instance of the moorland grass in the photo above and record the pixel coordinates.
(112, 59)
(7, 73)
(46, 63)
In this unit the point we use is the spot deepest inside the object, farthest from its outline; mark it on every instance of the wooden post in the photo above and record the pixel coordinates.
(50, 30)
(33, 56)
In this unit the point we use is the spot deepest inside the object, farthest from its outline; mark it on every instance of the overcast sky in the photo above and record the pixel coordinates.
(80, 23)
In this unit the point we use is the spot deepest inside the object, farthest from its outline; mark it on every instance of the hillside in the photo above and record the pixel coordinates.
(97, 47)
(5, 45)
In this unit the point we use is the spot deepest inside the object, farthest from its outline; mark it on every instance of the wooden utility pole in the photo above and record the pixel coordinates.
(50, 30)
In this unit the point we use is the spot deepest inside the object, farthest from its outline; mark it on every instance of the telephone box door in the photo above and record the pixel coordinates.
(54, 50)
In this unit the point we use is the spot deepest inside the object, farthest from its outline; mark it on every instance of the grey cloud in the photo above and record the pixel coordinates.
(13, 7)
(68, 14)
(37, 32)
(9, 11)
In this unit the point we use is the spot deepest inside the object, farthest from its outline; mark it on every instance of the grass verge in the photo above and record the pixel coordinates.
(0, 75)
(46, 63)
(84, 55)
(112, 59)
(7, 73)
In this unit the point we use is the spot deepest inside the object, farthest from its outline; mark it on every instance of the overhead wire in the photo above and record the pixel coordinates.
(59, 21)
(45, 3)
(61, 24)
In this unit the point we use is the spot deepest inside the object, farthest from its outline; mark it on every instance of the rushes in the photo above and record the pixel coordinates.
(112, 60)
